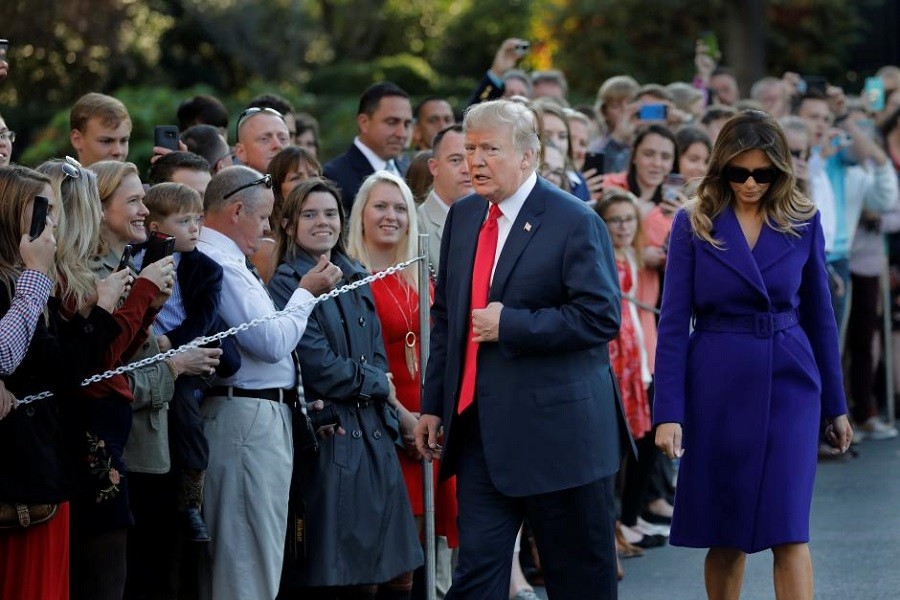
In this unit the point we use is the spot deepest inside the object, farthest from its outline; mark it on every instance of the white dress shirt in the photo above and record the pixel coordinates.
(378, 163)
(510, 208)
(265, 350)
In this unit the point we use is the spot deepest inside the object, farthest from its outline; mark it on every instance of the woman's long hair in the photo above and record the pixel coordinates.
(785, 209)
(110, 174)
(290, 214)
(77, 231)
(406, 249)
(18, 187)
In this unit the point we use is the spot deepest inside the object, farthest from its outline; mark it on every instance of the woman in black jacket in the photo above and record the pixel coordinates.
(350, 496)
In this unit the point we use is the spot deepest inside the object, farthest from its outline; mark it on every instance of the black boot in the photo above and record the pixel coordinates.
(189, 502)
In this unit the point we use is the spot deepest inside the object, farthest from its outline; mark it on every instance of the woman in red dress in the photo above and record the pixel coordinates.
(383, 232)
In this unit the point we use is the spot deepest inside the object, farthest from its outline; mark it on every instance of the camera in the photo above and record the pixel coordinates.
(307, 423)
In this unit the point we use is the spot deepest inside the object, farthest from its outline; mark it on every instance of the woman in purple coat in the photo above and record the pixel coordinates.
(740, 397)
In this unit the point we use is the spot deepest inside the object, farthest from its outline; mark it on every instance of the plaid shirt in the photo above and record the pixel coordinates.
(17, 325)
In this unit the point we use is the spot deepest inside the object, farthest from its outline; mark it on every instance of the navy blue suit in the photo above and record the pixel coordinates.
(348, 171)
(546, 433)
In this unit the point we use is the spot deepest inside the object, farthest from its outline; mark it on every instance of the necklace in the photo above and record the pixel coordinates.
(412, 359)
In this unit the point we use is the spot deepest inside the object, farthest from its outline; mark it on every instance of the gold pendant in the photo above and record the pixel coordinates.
(412, 360)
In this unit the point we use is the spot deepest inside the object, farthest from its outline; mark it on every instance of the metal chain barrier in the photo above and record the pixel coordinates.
(229, 332)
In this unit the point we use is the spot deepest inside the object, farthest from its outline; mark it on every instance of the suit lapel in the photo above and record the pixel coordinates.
(433, 213)
(471, 219)
(360, 163)
(519, 236)
(736, 254)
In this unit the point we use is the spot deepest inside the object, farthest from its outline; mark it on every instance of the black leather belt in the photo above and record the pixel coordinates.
(273, 394)
(762, 325)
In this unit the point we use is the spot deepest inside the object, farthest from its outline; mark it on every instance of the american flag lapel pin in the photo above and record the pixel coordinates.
(527, 226)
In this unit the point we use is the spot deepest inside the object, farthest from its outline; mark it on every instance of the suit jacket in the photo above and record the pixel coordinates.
(432, 217)
(545, 392)
(486, 90)
(348, 171)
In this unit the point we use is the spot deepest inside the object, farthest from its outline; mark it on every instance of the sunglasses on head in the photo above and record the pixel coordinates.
(740, 174)
(253, 110)
(71, 168)
(265, 180)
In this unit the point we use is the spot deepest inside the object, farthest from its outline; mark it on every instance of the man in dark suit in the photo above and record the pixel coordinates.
(519, 373)
(384, 122)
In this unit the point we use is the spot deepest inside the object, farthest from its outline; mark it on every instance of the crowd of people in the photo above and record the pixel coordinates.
(286, 460)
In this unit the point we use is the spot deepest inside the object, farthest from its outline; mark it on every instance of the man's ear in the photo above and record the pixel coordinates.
(76, 139)
(432, 166)
(240, 152)
(528, 159)
(235, 210)
(362, 122)
(153, 226)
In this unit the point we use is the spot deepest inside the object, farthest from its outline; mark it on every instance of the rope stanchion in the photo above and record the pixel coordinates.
(228, 332)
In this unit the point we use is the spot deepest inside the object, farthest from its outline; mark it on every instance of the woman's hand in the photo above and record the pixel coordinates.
(161, 273)
(839, 433)
(670, 205)
(654, 257)
(408, 422)
(668, 439)
(594, 181)
(40, 253)
(197, 361)
(111, 289)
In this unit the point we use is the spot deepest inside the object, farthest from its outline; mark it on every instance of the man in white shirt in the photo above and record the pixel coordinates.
(451, 182)
(247, 417)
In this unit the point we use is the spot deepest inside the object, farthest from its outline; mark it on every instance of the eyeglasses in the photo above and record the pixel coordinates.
(740, 174)
(8, 135)
(71, 168)
(266, 180)
(799, 154)
(619, 221)
(249, 112)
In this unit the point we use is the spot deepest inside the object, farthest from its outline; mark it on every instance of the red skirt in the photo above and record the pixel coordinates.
(34, 562)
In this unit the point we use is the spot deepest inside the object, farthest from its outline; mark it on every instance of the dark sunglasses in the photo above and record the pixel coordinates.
(265, 180)
(71, 168)
(253, 110)
(740, 174)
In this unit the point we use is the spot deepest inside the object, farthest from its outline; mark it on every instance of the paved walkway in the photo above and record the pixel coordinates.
(855, 540)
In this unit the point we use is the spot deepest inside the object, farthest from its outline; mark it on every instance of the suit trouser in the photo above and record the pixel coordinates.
(574, 530)
(246, 502)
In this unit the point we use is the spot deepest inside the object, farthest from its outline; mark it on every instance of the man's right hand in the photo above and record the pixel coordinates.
(426, 432)
(321, 278)
(507, 56)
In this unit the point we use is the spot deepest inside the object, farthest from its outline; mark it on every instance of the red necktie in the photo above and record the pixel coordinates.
(481, 284)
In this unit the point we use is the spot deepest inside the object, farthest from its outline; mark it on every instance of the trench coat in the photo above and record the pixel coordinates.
(750, 399)
(351, 497)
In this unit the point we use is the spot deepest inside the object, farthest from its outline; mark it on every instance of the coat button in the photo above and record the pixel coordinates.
(88, 328)
(356, 434)
(362, 321)
(29, 411)
(377, 434)
(362, 359)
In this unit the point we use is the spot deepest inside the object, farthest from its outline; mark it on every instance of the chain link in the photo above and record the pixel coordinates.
(229, 332)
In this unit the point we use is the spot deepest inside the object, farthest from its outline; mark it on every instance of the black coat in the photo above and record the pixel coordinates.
(348, 171)
(359, 524)
(34, 464)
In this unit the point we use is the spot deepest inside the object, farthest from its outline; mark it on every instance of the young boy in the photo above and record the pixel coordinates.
(191, 312)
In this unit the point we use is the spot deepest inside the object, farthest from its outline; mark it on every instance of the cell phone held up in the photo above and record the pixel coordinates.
(653, 112)
(38, 217)
(593, 160)
(126, 257)
(166, 136)
(159, 246)
(4, 49)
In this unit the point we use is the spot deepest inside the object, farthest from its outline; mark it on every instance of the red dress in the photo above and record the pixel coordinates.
(397, 305)
(625, 356)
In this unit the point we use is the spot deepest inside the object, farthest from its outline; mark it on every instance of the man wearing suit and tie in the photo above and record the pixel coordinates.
(384, 122)
(519, 373)
(450, 170)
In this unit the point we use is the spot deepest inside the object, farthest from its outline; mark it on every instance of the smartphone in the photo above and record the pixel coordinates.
(4, 48)
(593, 160)
(166, 136)
(126, 257)
(159, 246)
(39, 209)
(873, 93)
(653, 112)
(523, 48)
(673, 184)
(711, 42)
(813, 83)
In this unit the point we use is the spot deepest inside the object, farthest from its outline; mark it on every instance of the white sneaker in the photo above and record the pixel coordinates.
(876, 429)
(646, 528)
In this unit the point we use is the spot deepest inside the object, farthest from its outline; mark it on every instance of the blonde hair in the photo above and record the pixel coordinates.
(169, 198)
(109, 110)
(18, 186)
(785, 209)
(407, 248)
(77, 231)
(110, 174)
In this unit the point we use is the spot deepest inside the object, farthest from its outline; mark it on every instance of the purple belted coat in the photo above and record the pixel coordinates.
(749, 384)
